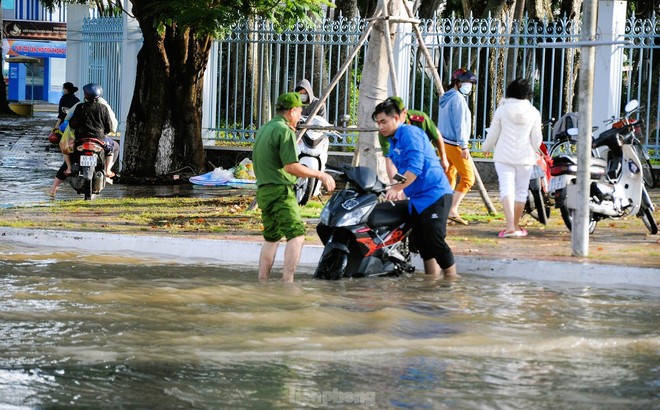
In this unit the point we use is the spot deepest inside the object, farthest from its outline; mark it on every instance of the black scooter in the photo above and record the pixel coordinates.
(363, 236)
(88, 168)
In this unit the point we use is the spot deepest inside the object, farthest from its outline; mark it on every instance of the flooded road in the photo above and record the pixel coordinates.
(106, 332)
(28, 164)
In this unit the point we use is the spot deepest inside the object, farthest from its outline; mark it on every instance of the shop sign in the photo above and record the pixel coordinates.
(33, 30)
(41, 49)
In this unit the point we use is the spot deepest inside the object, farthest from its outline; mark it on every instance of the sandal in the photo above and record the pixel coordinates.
(505, 234)
(458, 220)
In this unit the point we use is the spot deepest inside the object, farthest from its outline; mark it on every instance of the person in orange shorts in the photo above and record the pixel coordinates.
(455, 127)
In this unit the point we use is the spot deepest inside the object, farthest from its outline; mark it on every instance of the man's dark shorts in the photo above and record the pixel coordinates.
(429, 230)
(280, 213)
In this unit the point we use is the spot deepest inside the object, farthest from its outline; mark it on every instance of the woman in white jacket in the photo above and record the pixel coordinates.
(514, 136)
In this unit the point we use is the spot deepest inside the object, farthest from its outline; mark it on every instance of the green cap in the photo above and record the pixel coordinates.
(399, 102)
(287, 101)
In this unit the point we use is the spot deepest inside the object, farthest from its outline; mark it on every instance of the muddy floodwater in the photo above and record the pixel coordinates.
(83, 331)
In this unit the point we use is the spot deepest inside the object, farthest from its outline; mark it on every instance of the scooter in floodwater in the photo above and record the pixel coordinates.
(363, 235)
(617, 186)
(88, 167)
(313, 153)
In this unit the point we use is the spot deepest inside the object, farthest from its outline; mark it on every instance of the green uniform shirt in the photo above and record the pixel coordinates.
(274, 147)
(419, 119)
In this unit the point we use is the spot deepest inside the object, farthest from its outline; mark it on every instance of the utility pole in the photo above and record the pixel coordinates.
(588, 44)
(580, 230)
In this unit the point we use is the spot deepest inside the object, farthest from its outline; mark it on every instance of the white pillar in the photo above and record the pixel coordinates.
(580, 229)
(75, 14)
(209, 102)
(609, 62)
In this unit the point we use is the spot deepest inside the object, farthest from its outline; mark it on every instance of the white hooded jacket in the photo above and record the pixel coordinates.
(515, 133)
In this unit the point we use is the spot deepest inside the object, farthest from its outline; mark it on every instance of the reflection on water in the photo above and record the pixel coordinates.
(26, 175)
(125, 332)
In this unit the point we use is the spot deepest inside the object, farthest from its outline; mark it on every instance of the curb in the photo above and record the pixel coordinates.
(191, 251)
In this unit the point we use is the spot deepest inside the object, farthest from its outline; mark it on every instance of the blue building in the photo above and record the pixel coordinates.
(30, 30)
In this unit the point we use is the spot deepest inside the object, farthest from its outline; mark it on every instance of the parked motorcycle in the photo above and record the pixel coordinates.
(88, 168)
(539, 201)
(313, 147)
(617, 186)
(636, 142)
(363, 235)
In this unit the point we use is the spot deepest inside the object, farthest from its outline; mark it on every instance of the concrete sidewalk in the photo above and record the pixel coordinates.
(199, 251)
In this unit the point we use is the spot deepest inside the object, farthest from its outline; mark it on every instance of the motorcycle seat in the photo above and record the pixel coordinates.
(386, 214)
(566, 159)
(567, 164)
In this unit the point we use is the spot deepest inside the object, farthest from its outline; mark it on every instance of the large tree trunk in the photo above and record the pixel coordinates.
(4, 103)
(427, 8)
(367, 7)
(373, 90)
(163, 128)
(347, 8)
(512, 56)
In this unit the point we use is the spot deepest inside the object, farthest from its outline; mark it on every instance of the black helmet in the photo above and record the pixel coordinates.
(464, 76)
(92, 91)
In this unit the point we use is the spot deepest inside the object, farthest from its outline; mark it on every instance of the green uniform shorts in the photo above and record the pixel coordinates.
(280, 213)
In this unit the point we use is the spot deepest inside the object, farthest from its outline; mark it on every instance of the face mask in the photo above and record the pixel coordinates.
(466, 88)
(304, 97)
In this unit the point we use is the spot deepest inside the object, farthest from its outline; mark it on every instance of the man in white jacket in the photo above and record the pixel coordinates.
(515, 136)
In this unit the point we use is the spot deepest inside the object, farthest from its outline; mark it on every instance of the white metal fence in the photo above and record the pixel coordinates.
(101, 59)
(255, 63)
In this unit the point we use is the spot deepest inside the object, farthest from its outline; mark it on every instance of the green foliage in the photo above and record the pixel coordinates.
(215, 17)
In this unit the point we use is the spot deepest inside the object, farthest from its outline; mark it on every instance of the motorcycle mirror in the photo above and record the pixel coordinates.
(631, 106)
(399, 178)
(345, 119)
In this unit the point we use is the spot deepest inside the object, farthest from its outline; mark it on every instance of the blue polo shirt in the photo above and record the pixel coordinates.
(410, 150)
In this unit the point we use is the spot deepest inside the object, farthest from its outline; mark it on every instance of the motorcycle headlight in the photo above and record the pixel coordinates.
(353, 218)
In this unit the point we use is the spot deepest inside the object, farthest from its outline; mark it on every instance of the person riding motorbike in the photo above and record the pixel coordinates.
(90, 119)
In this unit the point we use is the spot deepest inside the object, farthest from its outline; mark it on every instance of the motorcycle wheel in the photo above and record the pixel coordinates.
(304, 189)
(87, 189)
(647, 169)
(564, 147)
(332, 266)
(648, 219)
(406, 266)
(567, 216)
(540, 211)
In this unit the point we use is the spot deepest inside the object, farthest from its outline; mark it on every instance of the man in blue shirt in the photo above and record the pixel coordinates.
(426, 186)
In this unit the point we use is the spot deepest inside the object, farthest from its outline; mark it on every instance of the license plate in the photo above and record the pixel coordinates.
(557, 182)
(537, 172)
(88, 160)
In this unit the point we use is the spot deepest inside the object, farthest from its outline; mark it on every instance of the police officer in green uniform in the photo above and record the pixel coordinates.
(421, 120)
(276, 166)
